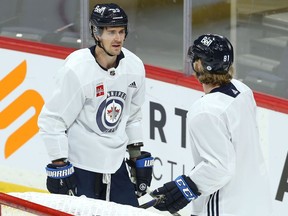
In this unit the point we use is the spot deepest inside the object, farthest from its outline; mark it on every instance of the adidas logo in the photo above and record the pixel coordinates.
(133, 85)
(235, 91)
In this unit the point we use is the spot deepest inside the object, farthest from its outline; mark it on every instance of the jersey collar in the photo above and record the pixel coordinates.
(119, 57)
(227, 89)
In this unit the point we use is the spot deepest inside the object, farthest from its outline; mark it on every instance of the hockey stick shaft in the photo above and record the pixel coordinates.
(153, 202)
(150, 203)
(156, 200)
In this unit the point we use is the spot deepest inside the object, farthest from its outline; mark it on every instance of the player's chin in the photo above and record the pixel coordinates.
(116, 52)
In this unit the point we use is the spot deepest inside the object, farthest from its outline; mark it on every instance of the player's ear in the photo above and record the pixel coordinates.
(97, 37)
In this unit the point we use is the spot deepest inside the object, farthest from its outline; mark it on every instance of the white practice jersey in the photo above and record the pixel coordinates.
(229, 170)
(94, 113)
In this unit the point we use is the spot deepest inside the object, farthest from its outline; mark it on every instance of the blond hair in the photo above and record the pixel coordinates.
(214, 79)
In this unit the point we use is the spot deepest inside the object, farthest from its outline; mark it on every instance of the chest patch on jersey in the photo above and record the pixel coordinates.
(110, 111)
(228, 89)
(99, 90)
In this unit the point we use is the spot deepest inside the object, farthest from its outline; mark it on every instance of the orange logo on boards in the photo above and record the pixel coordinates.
(28, 99)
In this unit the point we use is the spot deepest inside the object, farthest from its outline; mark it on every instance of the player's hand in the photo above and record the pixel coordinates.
(61, 179)
(177, 194)
(143, 166)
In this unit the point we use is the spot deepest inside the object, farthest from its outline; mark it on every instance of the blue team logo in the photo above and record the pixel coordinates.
(110, 111)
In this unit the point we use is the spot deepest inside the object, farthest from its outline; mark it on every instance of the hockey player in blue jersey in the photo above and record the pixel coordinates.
(229, 177)
(94, 117)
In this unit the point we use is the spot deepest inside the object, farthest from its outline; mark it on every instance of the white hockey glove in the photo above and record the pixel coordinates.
(61, 179)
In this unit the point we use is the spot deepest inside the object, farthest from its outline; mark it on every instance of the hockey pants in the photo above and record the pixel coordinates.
(122, 190)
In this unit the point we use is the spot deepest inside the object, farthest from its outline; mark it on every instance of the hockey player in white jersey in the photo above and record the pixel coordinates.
(94, 117)
(229, 177)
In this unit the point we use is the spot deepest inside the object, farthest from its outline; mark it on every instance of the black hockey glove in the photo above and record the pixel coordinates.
(176, 194)
(143, 167)
(61, 179)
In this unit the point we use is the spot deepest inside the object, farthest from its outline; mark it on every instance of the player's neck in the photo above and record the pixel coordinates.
(208, 87)
(105, 60)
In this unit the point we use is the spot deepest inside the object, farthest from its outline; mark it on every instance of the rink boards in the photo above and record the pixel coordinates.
(26, 81)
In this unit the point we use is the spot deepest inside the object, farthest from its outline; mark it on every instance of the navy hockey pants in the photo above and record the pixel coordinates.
(122, 189)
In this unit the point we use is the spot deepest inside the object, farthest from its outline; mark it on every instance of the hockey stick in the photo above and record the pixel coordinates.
(155, 201)
(151, 203)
